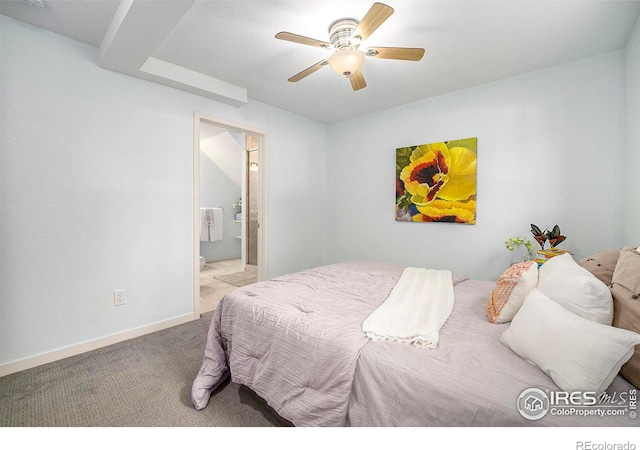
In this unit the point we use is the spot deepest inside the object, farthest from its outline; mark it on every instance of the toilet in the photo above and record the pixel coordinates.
(202, 262)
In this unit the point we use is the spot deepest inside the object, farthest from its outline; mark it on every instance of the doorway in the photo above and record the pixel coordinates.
(229, 175)
(252, 197)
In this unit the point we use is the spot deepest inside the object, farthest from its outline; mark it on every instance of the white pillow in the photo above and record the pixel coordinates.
(555, 264)
(578, 354)
(510, 290)
(567, 283)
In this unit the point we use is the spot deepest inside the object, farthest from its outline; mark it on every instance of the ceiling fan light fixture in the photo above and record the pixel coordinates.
(346, 61)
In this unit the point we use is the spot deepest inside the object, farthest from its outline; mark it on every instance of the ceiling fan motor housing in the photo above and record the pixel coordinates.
(340, 33)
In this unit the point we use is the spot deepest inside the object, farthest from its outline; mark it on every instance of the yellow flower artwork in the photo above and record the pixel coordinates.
(437, 182)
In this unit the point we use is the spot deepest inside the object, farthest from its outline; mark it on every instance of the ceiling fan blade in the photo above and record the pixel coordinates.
(291, 37)
(357, 80)
(308, 71)
(378, 13)
(406, 54)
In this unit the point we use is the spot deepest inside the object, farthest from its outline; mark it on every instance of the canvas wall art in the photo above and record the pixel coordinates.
(437, 182)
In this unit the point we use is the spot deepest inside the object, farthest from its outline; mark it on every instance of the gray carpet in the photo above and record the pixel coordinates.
(143, 382)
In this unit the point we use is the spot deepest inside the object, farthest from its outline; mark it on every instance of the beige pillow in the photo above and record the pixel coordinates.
(510, 290)
(625, 288)
(602, 264)
(627, 272)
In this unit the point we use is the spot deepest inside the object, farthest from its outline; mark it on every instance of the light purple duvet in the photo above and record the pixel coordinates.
(297, 342)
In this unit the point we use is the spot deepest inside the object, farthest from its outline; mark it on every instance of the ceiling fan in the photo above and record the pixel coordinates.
(345, 37)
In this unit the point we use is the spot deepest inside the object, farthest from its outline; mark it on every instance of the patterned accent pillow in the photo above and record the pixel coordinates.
(510, 290)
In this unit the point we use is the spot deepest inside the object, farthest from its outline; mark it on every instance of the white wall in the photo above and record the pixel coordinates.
(96, 180)
(631, 191)
(227, 153)
(550, 151)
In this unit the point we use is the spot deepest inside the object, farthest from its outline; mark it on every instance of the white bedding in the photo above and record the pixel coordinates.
(470, 379)
(297, 341)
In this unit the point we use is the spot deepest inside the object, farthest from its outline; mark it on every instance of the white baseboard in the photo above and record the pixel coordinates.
(56, 355)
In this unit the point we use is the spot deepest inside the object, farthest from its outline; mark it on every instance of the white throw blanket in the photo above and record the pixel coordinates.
(417, 307)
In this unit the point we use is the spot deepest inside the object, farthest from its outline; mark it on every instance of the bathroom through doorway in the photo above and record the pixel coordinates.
(229, 177)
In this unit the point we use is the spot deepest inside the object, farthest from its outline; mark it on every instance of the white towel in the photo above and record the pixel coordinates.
(204, 230)
(210, 224)
(208, 217)
(415, 310)
(215, 230)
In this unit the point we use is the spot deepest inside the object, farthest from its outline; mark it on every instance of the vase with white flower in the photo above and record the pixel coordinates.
(514, 242)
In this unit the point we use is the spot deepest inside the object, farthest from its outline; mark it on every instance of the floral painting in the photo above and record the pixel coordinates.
(437, 182)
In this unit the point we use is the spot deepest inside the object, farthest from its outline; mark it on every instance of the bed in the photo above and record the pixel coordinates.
(297, 342)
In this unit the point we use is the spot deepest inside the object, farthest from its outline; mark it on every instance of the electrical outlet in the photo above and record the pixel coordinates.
(118, 297)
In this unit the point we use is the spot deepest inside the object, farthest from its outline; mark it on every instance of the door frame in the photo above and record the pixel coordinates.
(199, 118)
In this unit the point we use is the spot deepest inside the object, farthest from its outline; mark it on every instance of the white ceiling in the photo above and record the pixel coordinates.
(226, 50)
